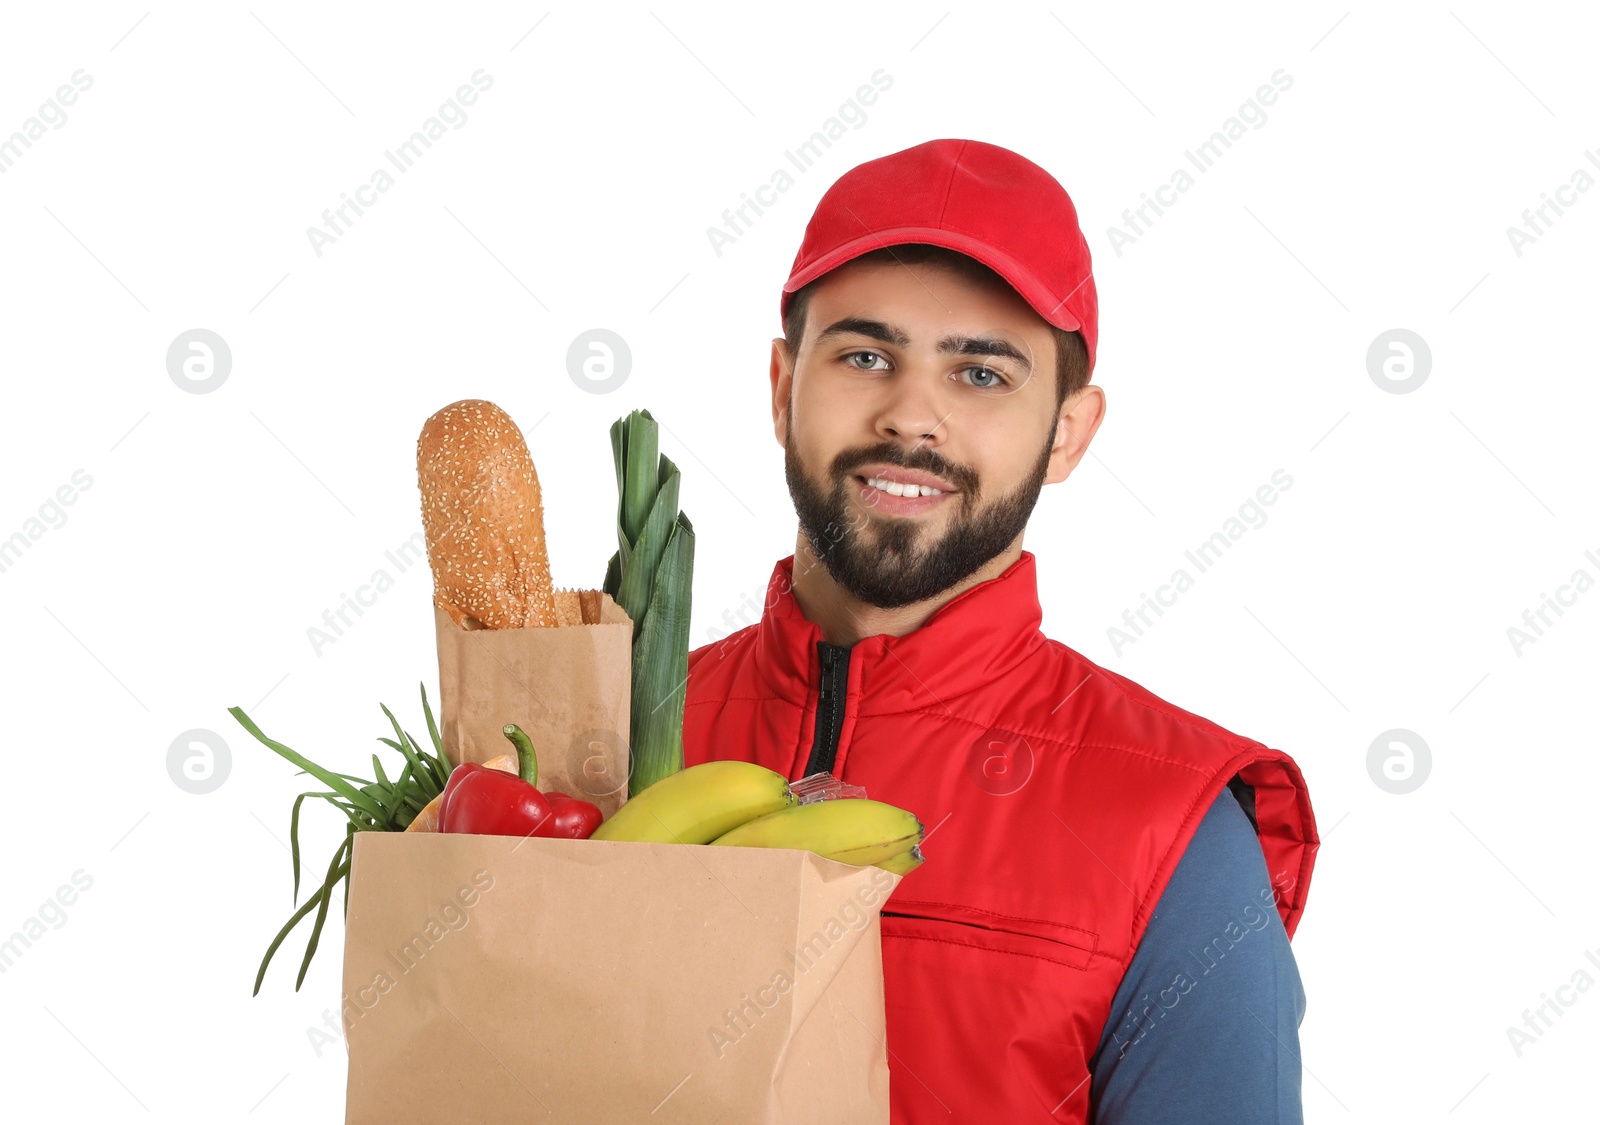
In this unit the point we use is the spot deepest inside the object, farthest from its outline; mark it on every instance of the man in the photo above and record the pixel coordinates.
(1100, 929)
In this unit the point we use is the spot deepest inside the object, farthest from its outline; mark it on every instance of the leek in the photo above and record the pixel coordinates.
(650, 576)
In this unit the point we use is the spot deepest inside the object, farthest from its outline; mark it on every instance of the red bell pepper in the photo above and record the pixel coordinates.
(570, 818)
(490, 802)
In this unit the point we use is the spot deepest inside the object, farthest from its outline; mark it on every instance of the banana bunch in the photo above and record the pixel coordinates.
(908, 860)
(742, 804)
(851, 830)
(698, 804)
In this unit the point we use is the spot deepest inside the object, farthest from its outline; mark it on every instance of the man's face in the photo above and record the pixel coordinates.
(885, 387)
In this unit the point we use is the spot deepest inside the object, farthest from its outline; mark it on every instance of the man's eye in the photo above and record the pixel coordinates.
(986, 378)
(854, 355)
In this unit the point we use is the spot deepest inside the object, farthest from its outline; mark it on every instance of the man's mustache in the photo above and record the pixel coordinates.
(963, 478)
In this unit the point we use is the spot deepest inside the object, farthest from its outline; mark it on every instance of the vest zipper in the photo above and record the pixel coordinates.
(835, 661)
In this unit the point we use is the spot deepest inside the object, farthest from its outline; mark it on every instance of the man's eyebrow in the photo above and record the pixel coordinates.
(956, 344)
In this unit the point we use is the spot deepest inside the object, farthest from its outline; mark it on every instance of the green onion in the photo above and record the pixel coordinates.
(368, 806)
(650, 578)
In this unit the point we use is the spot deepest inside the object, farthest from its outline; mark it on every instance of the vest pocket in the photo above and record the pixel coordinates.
(1040, 938)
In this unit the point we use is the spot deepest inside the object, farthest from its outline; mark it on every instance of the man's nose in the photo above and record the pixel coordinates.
(913, 412)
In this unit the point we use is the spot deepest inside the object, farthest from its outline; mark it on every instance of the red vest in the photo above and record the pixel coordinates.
(1058, 798)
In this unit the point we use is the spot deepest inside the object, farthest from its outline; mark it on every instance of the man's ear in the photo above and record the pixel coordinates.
(782, 376)
(1081, 415)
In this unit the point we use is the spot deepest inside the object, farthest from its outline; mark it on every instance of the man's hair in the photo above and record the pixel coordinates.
(1072, 357)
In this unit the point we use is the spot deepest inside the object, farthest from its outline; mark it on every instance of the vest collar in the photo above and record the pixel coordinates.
(968, 643)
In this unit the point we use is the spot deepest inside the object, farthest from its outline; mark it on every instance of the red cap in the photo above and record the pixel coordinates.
(978, 199)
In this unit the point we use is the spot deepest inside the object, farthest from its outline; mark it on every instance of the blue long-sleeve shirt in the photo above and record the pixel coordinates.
(1205, 1025)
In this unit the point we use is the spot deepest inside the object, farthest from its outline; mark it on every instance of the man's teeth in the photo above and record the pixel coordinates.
(895, 488)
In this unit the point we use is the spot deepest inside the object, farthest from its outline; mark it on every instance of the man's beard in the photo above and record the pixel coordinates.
(884, 567)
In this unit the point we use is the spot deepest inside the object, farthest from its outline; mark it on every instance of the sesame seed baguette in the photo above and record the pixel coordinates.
(483, 519)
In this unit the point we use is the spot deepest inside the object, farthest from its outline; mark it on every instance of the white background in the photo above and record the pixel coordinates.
(577, 194)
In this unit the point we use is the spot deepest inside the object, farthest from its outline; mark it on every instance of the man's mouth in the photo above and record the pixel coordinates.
(896, 498)
(897, 488)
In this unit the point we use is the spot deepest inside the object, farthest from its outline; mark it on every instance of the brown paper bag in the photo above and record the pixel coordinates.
(497, 979)
(568, 687)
